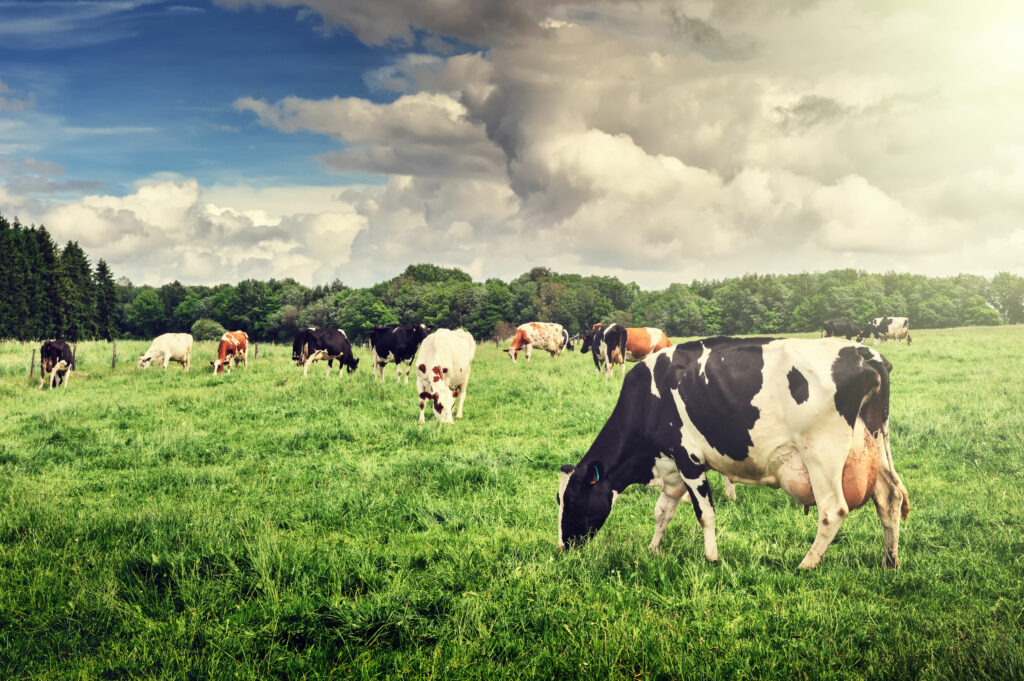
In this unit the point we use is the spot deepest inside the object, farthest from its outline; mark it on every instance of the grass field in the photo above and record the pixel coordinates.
(260, 525)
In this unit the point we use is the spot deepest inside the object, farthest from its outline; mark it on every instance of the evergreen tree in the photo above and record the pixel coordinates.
(79, 294)
(106, 302)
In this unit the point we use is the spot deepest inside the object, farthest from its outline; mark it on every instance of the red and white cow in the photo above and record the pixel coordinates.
(545, 335)
(234, 346)
(167, 348)
(442, 371)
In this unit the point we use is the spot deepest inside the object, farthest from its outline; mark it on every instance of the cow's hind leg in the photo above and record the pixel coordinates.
(825, 474)
(893, 505)
(462, 394)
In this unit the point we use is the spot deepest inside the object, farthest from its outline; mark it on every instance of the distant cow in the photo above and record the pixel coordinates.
(394, 343)
(544, 335)
(809, 416)
(640, 342)
(311, 345)
(607, 344)
(839, 327)
(233, 347)
(167, 348)
(442, 371)
(887, 328)
(56, 360)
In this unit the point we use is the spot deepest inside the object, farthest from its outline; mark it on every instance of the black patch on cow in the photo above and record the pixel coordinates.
(858, 374)
(718, 399)
(797, 386)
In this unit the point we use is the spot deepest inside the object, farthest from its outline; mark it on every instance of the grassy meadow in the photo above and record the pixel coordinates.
(260, 525)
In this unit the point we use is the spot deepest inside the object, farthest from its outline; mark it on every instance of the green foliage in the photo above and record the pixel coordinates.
(315, 530)
(207, 330)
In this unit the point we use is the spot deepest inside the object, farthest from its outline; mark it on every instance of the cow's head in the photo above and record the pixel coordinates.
(865, 332)
(144, 362)
(219, 365)
(588, 340)
(440, 394)
(585, 499)
(352, 365)
(300, 354)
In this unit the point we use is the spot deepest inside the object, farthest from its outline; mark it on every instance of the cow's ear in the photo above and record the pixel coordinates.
(594, 472)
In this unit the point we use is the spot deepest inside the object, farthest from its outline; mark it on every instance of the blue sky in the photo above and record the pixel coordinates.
(654, 140)
(165, 74)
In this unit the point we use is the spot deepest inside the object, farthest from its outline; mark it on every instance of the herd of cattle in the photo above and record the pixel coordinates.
(809, 416)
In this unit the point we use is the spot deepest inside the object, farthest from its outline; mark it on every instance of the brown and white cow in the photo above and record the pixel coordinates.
(615, 344)
(56, 360)
(233, 346)
(544, 335)
(442, 371)
(808, 416)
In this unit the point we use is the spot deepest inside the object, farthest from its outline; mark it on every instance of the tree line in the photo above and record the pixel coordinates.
(47, 291)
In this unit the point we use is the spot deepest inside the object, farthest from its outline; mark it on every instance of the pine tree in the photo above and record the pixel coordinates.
(80, 296)
(106, 302)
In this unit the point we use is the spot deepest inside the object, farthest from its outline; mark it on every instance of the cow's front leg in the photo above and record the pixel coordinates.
(696, 482)
(529, 350)
(664, 511)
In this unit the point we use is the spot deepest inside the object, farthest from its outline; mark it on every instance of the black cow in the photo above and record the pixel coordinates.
(808, 415)
(394, 343)
(311, 345)
(607, 343)
(839, 327)
(57, 360)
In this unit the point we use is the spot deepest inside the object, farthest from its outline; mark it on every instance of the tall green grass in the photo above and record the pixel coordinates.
(260, 525)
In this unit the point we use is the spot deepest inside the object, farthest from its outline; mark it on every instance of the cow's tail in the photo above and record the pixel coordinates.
(889, 470)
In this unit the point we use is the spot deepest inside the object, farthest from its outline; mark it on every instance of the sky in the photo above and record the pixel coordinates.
(658, 141)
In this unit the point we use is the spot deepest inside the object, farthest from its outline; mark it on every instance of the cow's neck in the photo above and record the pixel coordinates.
(626, 457)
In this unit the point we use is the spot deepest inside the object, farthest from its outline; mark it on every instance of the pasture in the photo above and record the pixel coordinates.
(260, 525)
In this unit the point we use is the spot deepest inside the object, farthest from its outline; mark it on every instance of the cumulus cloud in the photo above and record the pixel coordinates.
(168, 230)
(655, 140)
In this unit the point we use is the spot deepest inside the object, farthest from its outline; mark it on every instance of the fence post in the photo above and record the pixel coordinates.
(255, 350)
(32, 364)
(113, 357)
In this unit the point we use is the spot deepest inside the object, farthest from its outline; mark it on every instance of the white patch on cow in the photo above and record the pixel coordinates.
(702, 362)
(563, 482)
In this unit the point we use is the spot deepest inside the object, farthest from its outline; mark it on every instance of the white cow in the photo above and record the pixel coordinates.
(442, 371)
(167, 348)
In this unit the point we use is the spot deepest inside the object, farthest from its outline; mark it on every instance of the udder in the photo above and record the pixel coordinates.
(859, 474)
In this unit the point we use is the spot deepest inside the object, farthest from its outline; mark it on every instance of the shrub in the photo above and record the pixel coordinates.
(207, 330)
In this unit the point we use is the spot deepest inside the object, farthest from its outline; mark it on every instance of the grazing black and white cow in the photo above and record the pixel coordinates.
(607, 343)
(808, 415)
(311, 345)
(839, 327)
(56, 360)
(887, 328)
(394, 343)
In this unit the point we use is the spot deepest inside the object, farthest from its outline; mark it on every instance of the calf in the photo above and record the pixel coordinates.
(442, 371)
(394, 343)
(311, 345)
(57, 360)
(233, 347)
(887, 328)
(545, 335)
(607, 343)
(809, 416)
(167, 348)
(839, 327)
